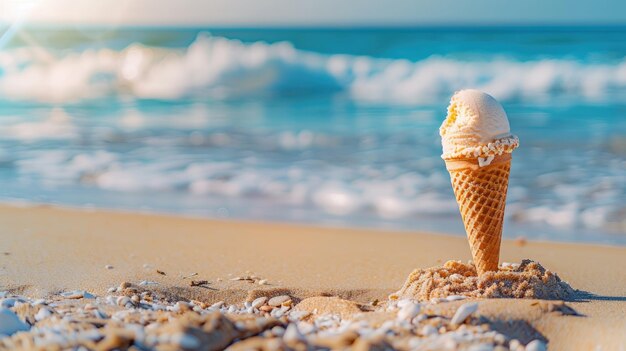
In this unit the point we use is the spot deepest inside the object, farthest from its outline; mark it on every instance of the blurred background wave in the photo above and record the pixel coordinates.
(323, 126)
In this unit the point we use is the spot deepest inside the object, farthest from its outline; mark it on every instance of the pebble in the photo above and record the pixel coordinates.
(278, 331)
(108, 266)
(42, 314)
(77, 294)
(409, 311)
(536, 345)
(481, 347)
(428, 330)
(8, 303)
(10, 323)
(186, 341)
(263, 282)
(259, 302)
(218, 304)
(514, 344)
(99, 314)
(125, 285)
(499, 338)
(266, 308)
(278, 300)
(292, 334)
(299, 314)
(122, 301)
(455, 297)
(463, 312)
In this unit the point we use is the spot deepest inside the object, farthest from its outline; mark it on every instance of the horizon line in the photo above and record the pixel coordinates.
(347, 26)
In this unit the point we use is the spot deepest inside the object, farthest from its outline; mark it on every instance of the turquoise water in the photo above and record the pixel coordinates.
(325, 126)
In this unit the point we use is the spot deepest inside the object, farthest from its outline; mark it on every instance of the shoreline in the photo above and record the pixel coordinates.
(49, 250)
(24, 204)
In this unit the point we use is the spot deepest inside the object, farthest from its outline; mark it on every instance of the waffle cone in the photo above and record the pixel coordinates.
(481, 195)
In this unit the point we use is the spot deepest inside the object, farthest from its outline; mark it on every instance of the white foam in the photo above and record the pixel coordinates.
(58, 125)
(217, 67)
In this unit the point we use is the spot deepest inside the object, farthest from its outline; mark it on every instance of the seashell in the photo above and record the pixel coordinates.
(463, 312)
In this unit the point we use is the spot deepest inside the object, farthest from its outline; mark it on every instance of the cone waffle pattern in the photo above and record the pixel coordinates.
(481, 195)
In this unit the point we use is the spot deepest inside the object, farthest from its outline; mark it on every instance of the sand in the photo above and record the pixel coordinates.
(45, 251)
(529, 279)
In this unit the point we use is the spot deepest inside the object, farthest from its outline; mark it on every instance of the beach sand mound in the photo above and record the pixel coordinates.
(526, 280)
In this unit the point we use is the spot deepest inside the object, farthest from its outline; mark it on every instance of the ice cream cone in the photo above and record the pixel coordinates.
(481, 195)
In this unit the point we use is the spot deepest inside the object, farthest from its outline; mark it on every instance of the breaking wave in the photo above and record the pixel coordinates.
(217, 67)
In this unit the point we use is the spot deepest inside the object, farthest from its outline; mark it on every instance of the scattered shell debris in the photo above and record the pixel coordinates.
(132, 318)
(190, 275)
(141, 316)
(198, 282)
(249, 278)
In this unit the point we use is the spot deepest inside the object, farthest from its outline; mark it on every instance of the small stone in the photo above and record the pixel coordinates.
(99, 314)
(536, 345)
(278, 331)
(292, 335)
(77, 294)
(278, 300)
(499, 339)
(409, 311)
(108, 266)
(455, 297)
(186, 341)
(481, 347)
(463, 312)
(125, 285)
(182, 306)
(122, 301)
(42, 314)
(428, 330)
(160, 272)
(10, 323)
(259, 302)
(218, 304)
(514, 344)
(262, 282)
(266, 308)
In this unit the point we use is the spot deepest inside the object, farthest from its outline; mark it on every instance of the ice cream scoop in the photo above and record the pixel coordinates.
(477, 145)
(476, 127)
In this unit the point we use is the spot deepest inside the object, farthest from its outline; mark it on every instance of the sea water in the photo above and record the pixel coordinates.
(321, 126)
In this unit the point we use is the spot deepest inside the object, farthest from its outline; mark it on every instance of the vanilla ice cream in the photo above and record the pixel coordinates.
(476, 127)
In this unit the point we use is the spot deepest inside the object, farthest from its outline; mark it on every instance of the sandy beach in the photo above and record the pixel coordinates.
(47, 251)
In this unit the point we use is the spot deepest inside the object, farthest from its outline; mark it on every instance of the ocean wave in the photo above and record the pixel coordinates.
(217, 67)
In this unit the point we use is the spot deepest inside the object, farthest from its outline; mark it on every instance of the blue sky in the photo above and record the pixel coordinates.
(314, 12)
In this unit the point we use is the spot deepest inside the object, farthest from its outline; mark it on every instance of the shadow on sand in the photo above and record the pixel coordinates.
(585, 296)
